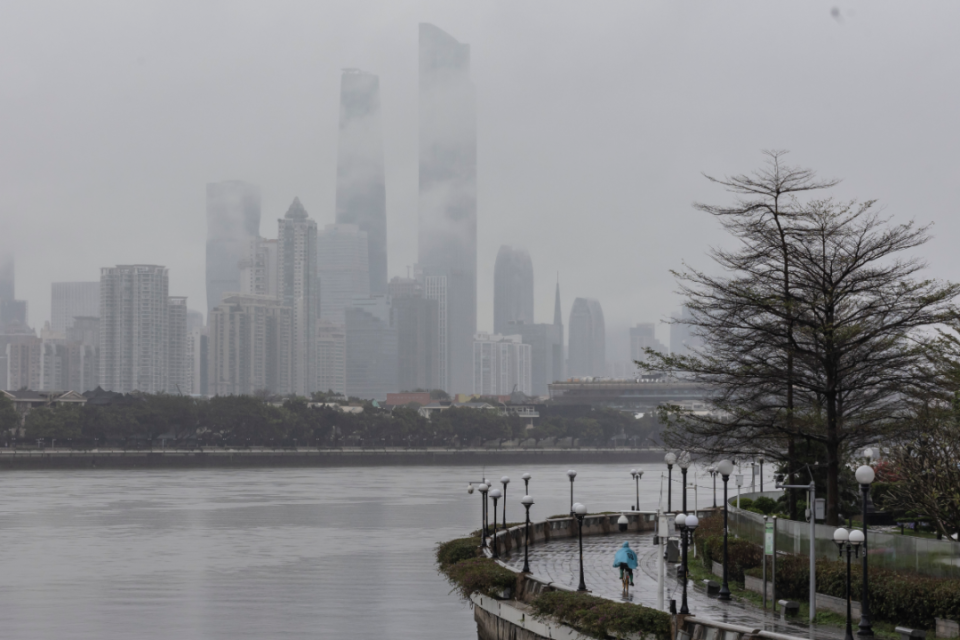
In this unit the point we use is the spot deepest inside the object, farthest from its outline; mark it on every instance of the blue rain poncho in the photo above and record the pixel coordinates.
(625, 554)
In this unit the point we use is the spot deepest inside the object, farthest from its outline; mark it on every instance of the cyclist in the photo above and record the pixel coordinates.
(626, 561)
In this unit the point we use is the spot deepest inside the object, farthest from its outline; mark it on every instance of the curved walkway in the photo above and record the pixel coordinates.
(558, 562)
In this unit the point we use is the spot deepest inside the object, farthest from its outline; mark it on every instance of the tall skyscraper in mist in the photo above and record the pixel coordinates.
(7, 278)
(233, 220)
(361, 191)
(134, 328)
(588, 341)
(512, 288)
(12, 311)
(298, 287)
(448, 189)
(343, 267)
(71, 299)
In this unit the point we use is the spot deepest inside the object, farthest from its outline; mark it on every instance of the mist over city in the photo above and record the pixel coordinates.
(282, 255)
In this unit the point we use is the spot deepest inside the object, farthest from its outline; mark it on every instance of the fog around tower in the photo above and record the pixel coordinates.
(594, 124)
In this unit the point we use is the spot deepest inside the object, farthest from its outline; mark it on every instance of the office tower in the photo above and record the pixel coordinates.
(587, 348)
(250, 346)
(343, 268)
(361, 194)
(133, 328)
(197, 350)
(683, 338)
(371, 348)
(435, 287)
(512, 288)
(71, 299)
(298, 288)
(448, 190)
(501, 365)
(332, 356)
(233, 219)
(558, 322)
(83, 342)
(643, 336)
(12, 311)
(418, 340)
(546, 353)
(258, 270)
(178, 367)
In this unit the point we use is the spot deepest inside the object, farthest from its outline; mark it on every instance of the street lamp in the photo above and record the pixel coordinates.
(739, 478)
(851, 540)
(495, 494)
(580, 511)
(637, 474)
(684, 465)
(865, 476)
(686, 524)
(724, 468)
(712, 470)
(526, 483)
(505, 480)
(760, 460)
(670, 459)
(483, 488)
(527, 502)
(571, 474)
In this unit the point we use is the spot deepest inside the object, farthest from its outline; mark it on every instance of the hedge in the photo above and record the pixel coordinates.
(599, 617)
(741, 554)
(453, 551)
(480, 574)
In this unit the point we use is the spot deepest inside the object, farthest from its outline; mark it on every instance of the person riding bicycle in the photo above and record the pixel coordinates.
(625, 560)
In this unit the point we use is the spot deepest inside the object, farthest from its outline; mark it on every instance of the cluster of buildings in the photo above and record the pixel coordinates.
(314, 309)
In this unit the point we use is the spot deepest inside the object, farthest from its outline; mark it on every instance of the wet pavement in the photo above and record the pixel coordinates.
(558, 562)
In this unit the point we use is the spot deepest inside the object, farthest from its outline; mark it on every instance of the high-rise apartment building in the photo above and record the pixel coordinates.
(178, 366)
(418, 342)
(436, 287)
(371, 348)
(197, 358)
(250, 346)
(134, 337)
(233, 220)
(448, 190)
(343, 267)
(332, 358)
(258, 270)
(298, 287)
(71, 299)
(512, 288)
(588, 343)
(501, 365)
(361, 191)
(642, 337)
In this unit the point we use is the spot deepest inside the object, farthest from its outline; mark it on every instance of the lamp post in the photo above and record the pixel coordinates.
(865, 476)
(495, 494)
(571, 474)
(712, 470)
(684, 465)
(725, 468)
(526, 483)
(527, 502)
(670, 458)
(851, 540)
(637, 474)
(812, 501)
(739, 478)
(505, 480)
(580, 511)
(686, 524)
(760, 460)
(483, 488)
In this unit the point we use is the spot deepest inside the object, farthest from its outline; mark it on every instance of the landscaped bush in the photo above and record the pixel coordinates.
(599, 617)
(765, 505)
(745, 503)
(453, 551)
(479, 574)
(741, 555)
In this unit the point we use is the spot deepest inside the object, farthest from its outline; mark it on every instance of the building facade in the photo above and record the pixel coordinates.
(512, 288)
(546, 353)
(435, 287)
(233, 220)
(418, 340)
(178, 366)
(258, 271)
(298, 286)
(501, 365)
(361, 190)
(588, 343)
(448, 189)
(71, 299)
(343, 267)
(332, 356)
(371, 348)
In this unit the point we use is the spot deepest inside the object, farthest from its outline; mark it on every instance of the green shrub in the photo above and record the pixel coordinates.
(741, 554)
(479, 574)
(765, 505)
(745, 503)
(599, 617)
(453, 551)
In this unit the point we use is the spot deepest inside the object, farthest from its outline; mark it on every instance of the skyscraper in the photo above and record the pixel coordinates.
(448, 189)
(588, 344)
(546, 353)
(371, 348)
(178, 367)
(233, 219)
(134, 328)
(7, 278)
(12, 311)
(299, 288)
(361, 194)
(258, 270)
(71, 299)
(512, 288)
(418, 344)
(436, 287)
(332, 358)
(343, 267)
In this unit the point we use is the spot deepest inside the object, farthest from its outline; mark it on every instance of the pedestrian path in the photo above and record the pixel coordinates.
(558, 562)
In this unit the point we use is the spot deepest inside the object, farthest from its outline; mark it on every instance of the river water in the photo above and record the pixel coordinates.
(259, 553)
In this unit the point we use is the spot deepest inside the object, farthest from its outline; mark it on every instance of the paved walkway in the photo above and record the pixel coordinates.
(557, 562)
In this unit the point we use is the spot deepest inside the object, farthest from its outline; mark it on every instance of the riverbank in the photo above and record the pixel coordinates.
(11, 460)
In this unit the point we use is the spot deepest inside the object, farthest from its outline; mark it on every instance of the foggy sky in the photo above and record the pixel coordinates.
(595, 122)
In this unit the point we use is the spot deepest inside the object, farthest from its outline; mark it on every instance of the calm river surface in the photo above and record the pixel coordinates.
(262, 553)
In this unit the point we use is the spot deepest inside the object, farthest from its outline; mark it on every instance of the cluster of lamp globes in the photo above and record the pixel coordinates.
(483, 487)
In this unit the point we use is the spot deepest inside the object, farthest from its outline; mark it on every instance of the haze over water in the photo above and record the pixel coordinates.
(264, 553)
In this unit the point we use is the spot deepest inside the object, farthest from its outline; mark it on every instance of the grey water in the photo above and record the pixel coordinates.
(261, 553)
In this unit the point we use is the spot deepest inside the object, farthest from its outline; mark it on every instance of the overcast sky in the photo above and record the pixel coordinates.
(595, 123)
